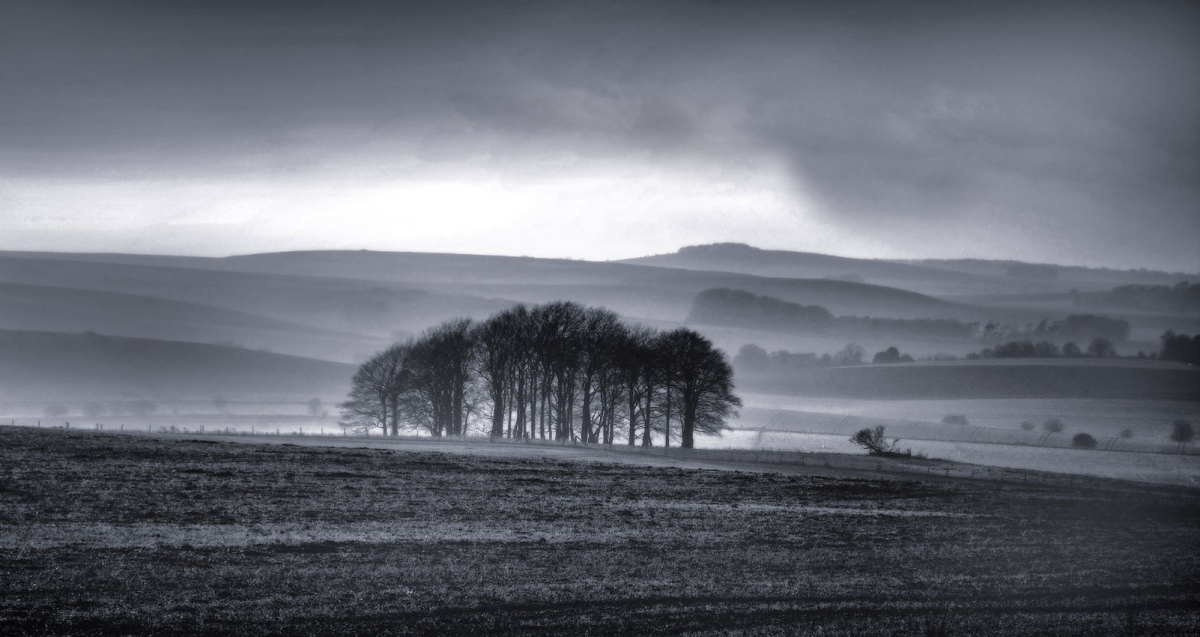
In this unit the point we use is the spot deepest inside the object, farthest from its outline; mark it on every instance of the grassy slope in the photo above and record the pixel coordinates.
(359, 306)
(393, 295)
(788, 264)
(1013, 378)
(33, 307)
(973, 283)
(636, 290)
(72, 367)
(1068, 276)
(112, 534)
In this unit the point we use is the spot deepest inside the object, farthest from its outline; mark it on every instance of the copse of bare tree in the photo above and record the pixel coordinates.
(703, 384)
(560, 371)
(443, 388)
(376, 391)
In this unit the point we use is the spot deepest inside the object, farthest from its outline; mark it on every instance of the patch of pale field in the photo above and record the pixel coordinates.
(1161, 468)
(1099, 416)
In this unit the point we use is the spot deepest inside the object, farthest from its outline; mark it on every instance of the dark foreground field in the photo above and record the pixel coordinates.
(111, 534)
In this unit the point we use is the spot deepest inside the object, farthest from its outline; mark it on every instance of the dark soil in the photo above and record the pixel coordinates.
(115, 535)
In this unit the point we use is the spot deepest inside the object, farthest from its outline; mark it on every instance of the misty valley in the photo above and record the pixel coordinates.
(700, 434)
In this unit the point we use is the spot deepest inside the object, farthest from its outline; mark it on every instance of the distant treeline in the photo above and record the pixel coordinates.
(1100, 347)
(1076, 327)
(1181, 298)
(1180, 347)
(738, 308)
(557, 371)
(722, 306)
(752, 357)
(1175, 347)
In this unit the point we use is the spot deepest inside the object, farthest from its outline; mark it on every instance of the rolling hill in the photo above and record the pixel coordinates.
(31, 307)
(984, 280)
(736, 257)
(1007, 378)
(343, 305)
(53, 366)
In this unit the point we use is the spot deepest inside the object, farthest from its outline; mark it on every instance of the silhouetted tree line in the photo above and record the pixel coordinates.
(1180, 347)
(1100, 347)
(557, 371)
(752, 357)
(721, 306)
(1181, 298)
(891, 355)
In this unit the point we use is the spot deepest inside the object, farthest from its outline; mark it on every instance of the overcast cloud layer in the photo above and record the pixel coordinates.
(1066, 133)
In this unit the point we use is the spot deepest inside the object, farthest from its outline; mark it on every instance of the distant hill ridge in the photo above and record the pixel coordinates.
(946, 277)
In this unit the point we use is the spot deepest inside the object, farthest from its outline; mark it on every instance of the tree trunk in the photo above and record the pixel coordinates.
(498, 418)
(667, 420)
(521, 401)
(646, 442)
(689, 424)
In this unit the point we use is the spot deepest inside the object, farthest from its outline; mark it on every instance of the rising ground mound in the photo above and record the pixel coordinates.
(109, 534)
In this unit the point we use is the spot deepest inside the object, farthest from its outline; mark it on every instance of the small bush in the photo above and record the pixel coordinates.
(1127, 433)
(955, 419)
(1053, 426)
(1083, 441)
(1028, 426)
(874, 442)
(1182, 431)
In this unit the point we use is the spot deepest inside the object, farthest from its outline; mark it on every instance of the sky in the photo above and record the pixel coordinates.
(592, 129)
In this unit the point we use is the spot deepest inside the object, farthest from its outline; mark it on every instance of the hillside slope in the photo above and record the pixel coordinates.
(943, 278)
(736, 257)
(56, 309)
(1010, 378)
(71, 367)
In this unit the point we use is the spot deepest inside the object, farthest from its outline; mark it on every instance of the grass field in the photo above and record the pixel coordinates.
(111, 534)
(993, 436)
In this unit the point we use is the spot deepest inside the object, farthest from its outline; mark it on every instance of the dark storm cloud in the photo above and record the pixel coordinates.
(1003, 120)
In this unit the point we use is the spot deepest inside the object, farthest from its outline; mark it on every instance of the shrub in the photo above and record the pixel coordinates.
(1083, 441)
(874, 442)
(1182, 431)
(1053, 426)
(891, 355)
(1101, 347)
(955, 419)
(1127, 433)
(1028, 426)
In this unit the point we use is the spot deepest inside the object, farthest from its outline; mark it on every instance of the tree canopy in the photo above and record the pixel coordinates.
(557, 371)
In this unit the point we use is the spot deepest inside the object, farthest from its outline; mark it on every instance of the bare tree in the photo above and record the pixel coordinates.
(1182, 432)
(560, 335)
(536, 368)
(701, 383)
(599, 338)
(633, 358)
(874, 441)
(499, 358)
(442, 361)
(377, 390)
